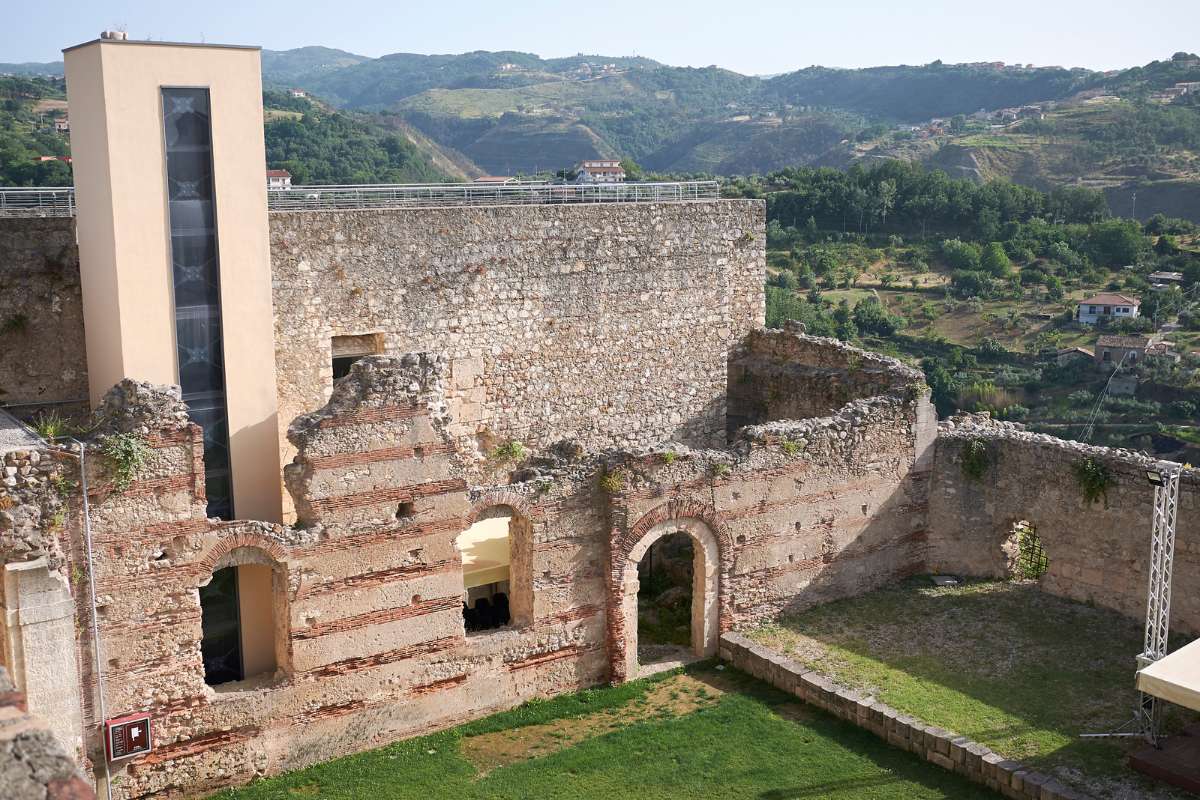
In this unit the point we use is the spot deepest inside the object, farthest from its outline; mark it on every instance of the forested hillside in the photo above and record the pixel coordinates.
(313, 142)
(978, 284)
(1132, 134)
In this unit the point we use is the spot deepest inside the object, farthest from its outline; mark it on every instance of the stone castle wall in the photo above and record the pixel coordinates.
(1098, 552)
(42, 356)
(608, 324)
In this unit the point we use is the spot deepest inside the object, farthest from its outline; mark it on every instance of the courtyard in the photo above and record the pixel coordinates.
(701, 732)
(1000, 662)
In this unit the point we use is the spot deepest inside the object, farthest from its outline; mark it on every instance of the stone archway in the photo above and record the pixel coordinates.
(706, 571)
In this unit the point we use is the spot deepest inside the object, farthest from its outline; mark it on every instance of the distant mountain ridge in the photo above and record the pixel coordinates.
(509, 112)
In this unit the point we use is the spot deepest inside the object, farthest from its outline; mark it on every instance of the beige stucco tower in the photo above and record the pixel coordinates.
(167, 141)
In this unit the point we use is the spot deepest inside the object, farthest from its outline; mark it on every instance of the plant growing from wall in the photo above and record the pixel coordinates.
(612, 482)
(1094, 479)
(669, 457)
(51, 425)
(125, 454)
(63, 487)
(789, 447)
(975, 459)
(509, 451)
(719, 469)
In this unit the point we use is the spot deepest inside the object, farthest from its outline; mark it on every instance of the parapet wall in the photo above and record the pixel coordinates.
(1098, 552)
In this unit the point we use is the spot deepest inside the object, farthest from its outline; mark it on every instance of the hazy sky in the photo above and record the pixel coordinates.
(751, 37)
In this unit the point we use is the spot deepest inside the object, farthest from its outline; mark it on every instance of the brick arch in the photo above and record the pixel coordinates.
(624, 542)
(240, 538)
(712, 550)
(499, 497)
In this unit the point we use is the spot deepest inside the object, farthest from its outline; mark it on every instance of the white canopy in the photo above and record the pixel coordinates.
(1174, 678)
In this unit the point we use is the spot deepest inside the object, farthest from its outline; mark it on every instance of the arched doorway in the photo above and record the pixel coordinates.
(705, 588)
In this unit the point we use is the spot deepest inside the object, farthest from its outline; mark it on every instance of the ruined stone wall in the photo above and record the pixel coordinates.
(33, 764)
(42, 356)
(784, 374)
(370, 643)
(610, 324)
(803, 511)
(1098, 552)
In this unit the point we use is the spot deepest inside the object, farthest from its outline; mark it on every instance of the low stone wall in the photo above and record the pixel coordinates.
(33, 765)
(1098, 552)
(936, 745)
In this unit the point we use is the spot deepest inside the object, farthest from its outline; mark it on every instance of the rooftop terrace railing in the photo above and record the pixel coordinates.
(40, 202)
(60, 201)
(424, 195)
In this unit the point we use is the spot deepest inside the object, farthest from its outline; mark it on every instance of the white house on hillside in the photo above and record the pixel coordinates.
(1107, 306)
(599, 170)
(279, 179)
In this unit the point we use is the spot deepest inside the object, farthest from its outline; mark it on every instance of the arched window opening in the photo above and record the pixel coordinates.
(1027, 558)
(497, 584)
(241, 622)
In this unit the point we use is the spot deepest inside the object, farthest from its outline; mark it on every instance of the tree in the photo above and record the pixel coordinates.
(1116, 243)
(995, 260)
(961, 255)
(843, 318)
(871, 317)
(633, 170)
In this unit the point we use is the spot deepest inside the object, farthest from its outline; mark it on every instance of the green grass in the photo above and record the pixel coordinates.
(752, 742)
(1005, 664)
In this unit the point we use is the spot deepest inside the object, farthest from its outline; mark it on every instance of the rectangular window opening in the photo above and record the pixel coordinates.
(346, 350)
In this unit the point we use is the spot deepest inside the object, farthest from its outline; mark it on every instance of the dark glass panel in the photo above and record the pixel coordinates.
(195, 271)
(185, 113)
(221, 645)
(198, 343)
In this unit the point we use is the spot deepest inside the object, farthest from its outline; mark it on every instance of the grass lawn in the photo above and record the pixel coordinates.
(701, 733)
(1003, 663)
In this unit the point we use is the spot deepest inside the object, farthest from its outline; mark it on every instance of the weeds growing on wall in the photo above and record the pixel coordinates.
(789, 447)
(52, 425)
(509, 451)
(975, 459)
(1094, 479)
(669, 457)
(612, 482)
(719, 469)
(125, 453)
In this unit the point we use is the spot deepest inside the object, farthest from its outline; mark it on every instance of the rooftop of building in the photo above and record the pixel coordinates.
(1110, 299)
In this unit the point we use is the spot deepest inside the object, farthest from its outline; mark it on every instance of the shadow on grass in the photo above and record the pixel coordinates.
(1005, 664)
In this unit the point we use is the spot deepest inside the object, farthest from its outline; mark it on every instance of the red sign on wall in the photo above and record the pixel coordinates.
(127, 736)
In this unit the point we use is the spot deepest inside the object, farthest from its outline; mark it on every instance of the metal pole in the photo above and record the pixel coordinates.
(96, 645)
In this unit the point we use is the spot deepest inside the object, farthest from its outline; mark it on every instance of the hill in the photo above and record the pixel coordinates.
(314, 142)
(516, 112)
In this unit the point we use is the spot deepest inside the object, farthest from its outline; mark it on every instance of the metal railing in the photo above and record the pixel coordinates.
(40, 202)
(60, 201)
(425, 195)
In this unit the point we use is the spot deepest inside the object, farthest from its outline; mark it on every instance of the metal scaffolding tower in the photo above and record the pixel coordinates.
(1165, 477)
